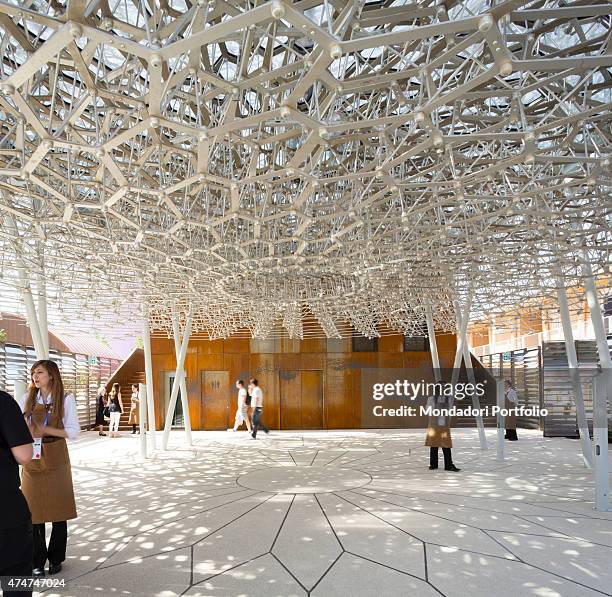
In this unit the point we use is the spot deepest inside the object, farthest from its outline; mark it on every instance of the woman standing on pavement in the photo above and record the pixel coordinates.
(46, 482)
(511, 403)
(439, 433)
(134, 400)
(100, 406)
(115, 407)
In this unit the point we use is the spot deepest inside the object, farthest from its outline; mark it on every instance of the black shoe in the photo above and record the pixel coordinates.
(38, 572)
(452, 468)
(54, 568)
(433, 468)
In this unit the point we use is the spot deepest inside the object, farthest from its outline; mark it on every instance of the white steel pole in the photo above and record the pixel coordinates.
(596, 316)
(26, 292)
(142, 420)
(146, 340)
(184, 397)
(32, 317)
(467, 359)
(501, 419)
(433, 346)
(180, 364)
(601, 383)
(572, 362)
(603, 394)
(461, 338)
(42, 311)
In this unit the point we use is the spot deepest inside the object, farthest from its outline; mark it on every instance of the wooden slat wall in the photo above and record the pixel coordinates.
(244, 358)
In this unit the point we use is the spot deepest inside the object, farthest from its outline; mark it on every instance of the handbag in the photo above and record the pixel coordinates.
(106, 412)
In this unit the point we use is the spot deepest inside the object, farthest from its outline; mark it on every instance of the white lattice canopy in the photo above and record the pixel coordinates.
(315, 167)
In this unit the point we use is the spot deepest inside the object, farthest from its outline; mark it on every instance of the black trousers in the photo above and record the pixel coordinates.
(433, 457)
(56, 552)
(257, 422)
(16, 554)
(511, 435)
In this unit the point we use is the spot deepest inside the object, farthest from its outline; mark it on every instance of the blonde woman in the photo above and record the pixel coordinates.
(115, 407)
(46, 482)
(134, 401)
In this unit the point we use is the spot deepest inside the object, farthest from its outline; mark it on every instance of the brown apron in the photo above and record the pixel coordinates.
(510, 420)
(47, 483)
(438, 431)
(133, 420)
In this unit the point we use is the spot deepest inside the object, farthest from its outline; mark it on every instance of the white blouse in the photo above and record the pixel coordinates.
(70, 418)
(256, 398)
(242, 395)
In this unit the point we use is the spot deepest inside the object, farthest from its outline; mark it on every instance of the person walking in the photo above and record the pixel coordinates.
(115, 407)
(257, 406)
(134, 402)
(100, 407)
(16, 541)
(242, 415)
(511, 403)
(438, 433)
(46, 481)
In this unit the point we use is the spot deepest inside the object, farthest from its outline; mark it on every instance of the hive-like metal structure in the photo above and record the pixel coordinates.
(310, 168)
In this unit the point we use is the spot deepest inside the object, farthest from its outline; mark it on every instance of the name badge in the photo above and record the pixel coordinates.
(37, 448)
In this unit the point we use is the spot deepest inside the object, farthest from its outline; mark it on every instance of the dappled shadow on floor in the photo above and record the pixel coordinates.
(335, 513)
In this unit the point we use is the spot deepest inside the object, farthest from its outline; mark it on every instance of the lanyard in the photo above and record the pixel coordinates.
(47, 410)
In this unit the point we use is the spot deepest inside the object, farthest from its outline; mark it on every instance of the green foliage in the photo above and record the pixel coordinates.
(3, 335)
(139, 342)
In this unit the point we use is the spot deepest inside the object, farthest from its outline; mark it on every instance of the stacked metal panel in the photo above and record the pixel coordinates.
(541, 378)
(81, 374)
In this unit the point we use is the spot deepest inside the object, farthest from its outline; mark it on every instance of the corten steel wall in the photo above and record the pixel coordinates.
(277, 363)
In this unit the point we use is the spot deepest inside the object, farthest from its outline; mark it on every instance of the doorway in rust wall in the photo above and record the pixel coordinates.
(216, 399)
(301, 399)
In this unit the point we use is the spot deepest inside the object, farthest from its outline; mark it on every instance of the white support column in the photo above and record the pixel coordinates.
(572, 363)
(180, 368)
(28, 300)
(146, 340)
(461, 338)
(184, 398)
(601, 383)
(433, 346)
(467, 359)
(42, 311)
(142, 418)
(492, 339)
(603, 394)
(596, 316)
(501, 420)
(26, 292)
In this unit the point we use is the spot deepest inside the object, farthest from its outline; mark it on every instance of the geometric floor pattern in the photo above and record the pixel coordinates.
(338, 513)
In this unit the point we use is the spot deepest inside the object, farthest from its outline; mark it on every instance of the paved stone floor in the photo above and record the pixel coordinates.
(342, 513)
